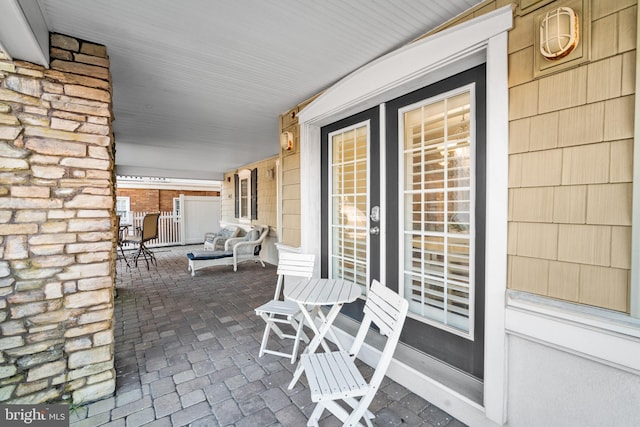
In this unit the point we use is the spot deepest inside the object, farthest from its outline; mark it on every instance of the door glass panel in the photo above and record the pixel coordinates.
(349, 171)
(438, 211)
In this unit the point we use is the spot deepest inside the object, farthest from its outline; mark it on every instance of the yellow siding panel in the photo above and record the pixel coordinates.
(628, 73)
(581, 125)
(563, 90)
(529, 275)
(512, 238)
(609, 204)
(532, 204)
(564, 280)
(604, 287)
(621, 247)
(604, 36)
(544, 131)
(627, 23)
(541, 168)
(586, 164)
(521, 36)
(521, 66)
(570, 204)
(584, 244)
(537, 240)
(519, 136)
(515, 170)
(619, 118)
(523, 100)
(604, 79)
(602, 8)
(621, 169)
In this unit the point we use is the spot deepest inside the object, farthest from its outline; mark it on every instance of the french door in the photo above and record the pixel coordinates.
(435, 151)
(433, 186)
(351, 199)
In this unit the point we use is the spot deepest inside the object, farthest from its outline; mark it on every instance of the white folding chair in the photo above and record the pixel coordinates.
(292, 266)
(334, 376)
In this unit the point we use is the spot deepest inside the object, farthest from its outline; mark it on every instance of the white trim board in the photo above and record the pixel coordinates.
(597, 338)
(483, 39)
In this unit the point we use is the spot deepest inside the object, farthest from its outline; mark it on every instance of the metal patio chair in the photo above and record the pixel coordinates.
(120, 241)
(148, 231)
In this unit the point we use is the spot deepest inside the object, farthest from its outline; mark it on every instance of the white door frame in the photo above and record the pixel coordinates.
(483, 39)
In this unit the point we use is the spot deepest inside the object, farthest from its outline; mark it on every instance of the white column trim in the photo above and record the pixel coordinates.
(634, 295)
(310, 194)
(23, 31)
(497, 167)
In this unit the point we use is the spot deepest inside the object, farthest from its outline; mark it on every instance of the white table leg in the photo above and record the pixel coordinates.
(318, 338)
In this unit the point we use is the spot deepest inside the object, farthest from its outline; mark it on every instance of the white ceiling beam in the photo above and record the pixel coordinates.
(23, 31)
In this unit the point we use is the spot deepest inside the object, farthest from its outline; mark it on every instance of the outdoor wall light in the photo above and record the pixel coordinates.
(559, 33)
(286, 141)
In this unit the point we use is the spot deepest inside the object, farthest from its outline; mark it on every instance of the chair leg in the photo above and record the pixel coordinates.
(315, 415)
(123, 255)
(271, 325)
(146, 254)
(360, 409)
(143, 252)
(265, 337)
(299, 334)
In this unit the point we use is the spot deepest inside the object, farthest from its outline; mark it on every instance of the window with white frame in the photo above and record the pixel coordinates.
(176, 209)
(246, 194)
(123, 209)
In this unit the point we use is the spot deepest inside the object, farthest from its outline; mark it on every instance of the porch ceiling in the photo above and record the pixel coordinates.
(199, 85)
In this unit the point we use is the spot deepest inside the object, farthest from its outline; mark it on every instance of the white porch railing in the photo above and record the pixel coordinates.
(168, 228)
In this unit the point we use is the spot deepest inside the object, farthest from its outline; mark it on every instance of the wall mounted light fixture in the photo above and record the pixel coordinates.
(559, 33)
(562, 36)
(286, 141)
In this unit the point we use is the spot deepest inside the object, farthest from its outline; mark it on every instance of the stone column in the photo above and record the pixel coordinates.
(57, 206)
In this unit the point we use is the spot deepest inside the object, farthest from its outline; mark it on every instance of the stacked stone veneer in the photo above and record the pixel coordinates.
(57, 264)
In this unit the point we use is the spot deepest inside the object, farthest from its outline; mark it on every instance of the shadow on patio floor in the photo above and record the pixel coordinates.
(186, 354)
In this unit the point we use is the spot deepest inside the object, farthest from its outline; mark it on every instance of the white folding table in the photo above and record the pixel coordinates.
(317, 292)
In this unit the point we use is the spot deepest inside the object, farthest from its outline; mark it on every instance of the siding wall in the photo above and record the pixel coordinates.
(290, 161)
(570, 166)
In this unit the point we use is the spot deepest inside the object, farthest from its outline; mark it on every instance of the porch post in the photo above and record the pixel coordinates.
(310, 194)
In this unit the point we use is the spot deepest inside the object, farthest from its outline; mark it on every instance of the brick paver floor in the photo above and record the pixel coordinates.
(187, 354)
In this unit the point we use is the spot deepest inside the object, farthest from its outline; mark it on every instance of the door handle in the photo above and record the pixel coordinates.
(375, 214)
(374, 231)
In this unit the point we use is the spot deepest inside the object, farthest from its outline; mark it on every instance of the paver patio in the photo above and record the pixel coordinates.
(187, 354)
